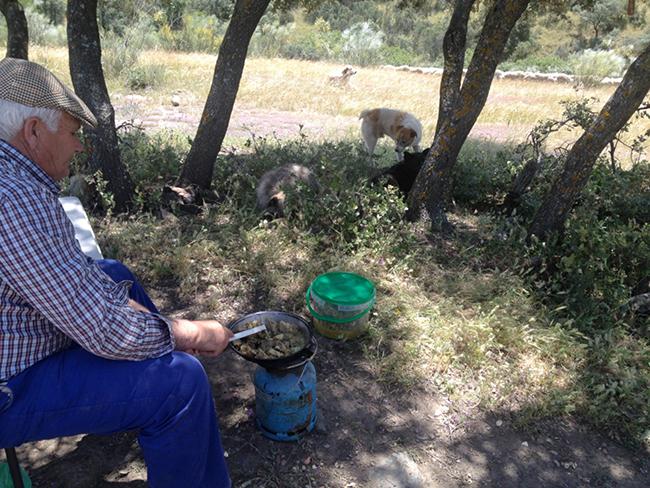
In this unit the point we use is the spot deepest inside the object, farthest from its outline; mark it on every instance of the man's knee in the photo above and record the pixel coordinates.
(189, 373)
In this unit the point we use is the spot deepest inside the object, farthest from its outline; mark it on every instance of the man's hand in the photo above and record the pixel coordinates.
(206, 337)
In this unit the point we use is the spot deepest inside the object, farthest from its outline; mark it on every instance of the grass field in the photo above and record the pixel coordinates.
(512, 110)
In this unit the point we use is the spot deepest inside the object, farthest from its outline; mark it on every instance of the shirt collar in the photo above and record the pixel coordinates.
(23, 164)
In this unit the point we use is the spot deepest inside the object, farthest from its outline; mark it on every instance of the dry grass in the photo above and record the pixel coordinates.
(512, 109)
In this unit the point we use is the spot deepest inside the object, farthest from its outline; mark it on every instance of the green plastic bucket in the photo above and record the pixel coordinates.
(339, 303)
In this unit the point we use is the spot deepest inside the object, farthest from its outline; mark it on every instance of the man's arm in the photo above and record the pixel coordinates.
(207, 337)
(43, 264)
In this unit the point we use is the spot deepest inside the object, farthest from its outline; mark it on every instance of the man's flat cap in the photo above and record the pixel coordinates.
(33, 85)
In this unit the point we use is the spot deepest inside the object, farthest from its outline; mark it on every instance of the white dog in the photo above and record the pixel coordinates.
(270, 197)
(400, 126)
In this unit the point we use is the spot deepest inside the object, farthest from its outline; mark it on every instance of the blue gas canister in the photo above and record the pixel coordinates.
(285, 401)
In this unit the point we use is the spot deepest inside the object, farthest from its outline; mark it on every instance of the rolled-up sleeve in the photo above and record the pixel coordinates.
(43, 264)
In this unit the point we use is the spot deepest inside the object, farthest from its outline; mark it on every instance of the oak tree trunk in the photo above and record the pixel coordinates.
(453, 47)
(88, 79)
(432, 185)
(17, 32)
(199, 166)
(627, 98)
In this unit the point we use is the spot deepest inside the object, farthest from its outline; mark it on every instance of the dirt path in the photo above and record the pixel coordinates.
(264, 123)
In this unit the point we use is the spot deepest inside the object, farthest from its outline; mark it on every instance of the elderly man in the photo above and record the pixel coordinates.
(82, 351)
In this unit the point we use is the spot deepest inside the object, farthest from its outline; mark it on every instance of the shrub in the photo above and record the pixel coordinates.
(361, 43)
(269, 39)
(198, 33)
(310, 42)
(143, 76)
(605, 249)
(482, 175)
(152, 161)
(591, 66)
(539, 63)
(121, 52)
(119, 55)
(41, 32)
(395, 55)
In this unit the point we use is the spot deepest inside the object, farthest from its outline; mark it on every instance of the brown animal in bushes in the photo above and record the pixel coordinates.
(270, 187)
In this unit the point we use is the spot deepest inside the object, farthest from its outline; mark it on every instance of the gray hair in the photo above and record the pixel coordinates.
(14, 115)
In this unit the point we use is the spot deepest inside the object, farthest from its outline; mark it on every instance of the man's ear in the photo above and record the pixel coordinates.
(31, 130)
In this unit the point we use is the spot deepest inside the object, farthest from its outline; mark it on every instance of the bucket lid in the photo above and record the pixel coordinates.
(342, 288)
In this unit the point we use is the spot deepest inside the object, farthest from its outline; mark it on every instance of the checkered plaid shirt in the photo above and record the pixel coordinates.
(50, 293)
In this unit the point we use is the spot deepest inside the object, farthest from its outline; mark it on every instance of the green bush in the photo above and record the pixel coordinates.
(121, 51)
(395, 56)
(310, 42)
(42, 32)
(143, 76)
(152, 161)
(362, 43)
(482, 175)
(118, 55)
(198, 33)
(605, 248)
(348, 214)
(269, 39)
(592, 66)
(539, 63)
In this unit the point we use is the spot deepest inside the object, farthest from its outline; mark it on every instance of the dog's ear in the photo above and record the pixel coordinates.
(412, 133)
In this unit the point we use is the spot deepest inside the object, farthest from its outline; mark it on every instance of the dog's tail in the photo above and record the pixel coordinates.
(364, 114)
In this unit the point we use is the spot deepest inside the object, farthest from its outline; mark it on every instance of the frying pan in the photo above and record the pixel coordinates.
(288, 362)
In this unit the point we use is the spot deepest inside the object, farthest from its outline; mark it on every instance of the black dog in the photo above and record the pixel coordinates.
(403, 174)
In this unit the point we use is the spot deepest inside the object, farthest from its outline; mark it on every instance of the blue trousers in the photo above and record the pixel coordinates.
(167, 400)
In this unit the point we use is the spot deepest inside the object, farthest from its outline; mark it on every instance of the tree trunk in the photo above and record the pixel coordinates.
(453, 47)
(617, 111)
(199, 166)
(433, 183)
(17, 33)
(88, 80)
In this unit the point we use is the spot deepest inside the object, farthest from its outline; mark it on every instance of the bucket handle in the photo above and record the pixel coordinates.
(333, 319)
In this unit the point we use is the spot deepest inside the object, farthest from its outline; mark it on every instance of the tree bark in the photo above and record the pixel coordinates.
(617, 111)
(17, 32)
(453, 47)
(88, 79)
(433, 183)
(199, 166)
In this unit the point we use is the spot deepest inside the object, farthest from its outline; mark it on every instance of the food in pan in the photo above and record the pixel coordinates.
(279, 340)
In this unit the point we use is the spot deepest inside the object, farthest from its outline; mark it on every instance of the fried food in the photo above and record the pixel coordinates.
(279, 340)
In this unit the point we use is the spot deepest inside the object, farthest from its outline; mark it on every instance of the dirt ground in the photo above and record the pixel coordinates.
(245, 121)
(366, 435)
